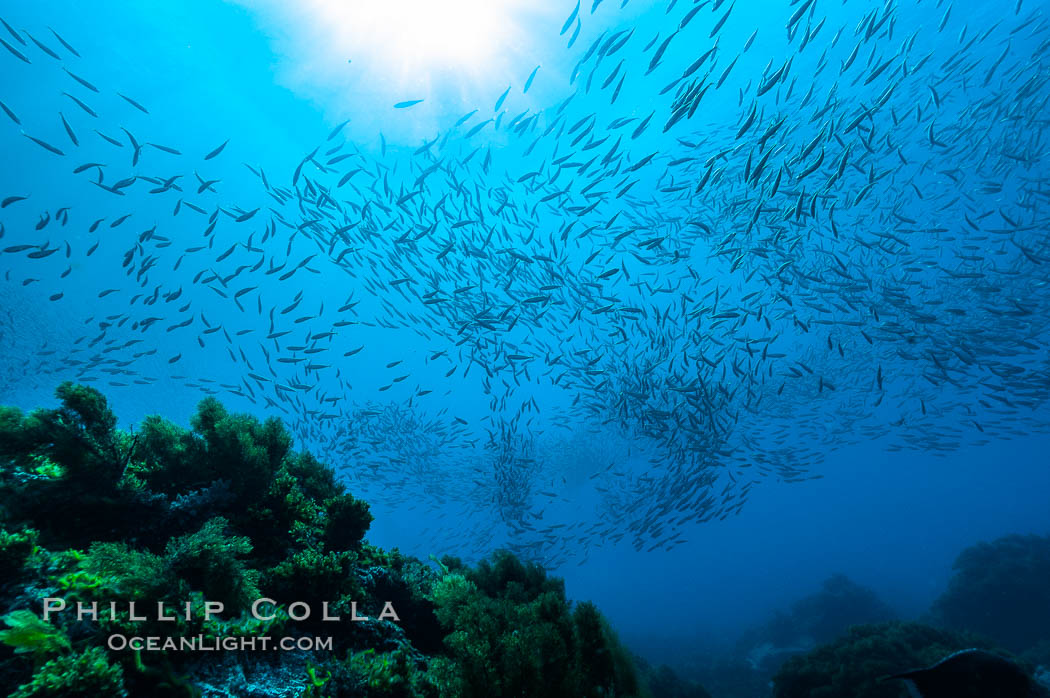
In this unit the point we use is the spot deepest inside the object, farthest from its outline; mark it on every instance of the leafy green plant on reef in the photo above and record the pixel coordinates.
(44, 467)
(27, 633)
(83, 481)
(395, 674)
(347, 522)
(88, 674)
(210, 561)
(384, 675)
(319, 679)
(80, 436)
(207, 561)
(62, 470)
(120, 571)
(512, 632)
(312, 576)
(15, 549)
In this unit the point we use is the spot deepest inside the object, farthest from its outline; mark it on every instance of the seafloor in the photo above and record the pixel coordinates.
(227, 512)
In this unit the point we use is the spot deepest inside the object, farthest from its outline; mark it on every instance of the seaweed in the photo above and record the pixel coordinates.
(211, 562)
(29, 634)
(15, 549)
(89, 674)
(226, 511)
(514, 633)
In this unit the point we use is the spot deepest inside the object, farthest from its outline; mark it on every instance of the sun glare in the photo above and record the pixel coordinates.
(360, 58)
(421, 35)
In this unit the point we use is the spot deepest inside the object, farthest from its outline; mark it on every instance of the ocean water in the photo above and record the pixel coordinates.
(734, 297)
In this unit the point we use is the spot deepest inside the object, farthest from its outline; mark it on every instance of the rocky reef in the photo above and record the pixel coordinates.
(853, 665)
(839, 641)
(997, 599)
(223, 533)
(999, 588)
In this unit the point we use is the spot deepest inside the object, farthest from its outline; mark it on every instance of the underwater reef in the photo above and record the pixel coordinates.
(745, 669)
(227, 512)
(841, 640)
(854, 665)
(812, 620)
(1001, 589)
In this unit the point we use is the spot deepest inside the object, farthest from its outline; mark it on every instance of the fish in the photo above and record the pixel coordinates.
(64, 42)
(133, 103)
(14, 34)
(502, 97)
(721, 22)
(88, 110)
(575, 33)
(43, 47)
(164, 148)
(15, 52)
(45, 145)
(218, 149)
(572, 18)
(69, 130)
(10, 114)
(528, 81)
(80, 80)
(409, 103)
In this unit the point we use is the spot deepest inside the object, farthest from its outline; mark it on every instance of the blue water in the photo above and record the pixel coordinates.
(903, 416)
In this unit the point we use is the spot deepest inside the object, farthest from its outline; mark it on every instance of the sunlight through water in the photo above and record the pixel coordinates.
(448, 54)
(413, 36)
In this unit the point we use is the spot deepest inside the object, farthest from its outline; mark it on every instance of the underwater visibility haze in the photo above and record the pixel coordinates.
(733, 314)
